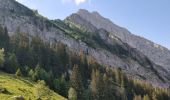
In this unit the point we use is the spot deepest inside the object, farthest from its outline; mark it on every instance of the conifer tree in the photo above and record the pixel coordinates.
(72, 94)
(107, 87)
(97, 85)
(146, 97)
(117, 76)
(18, 72)
(41, 90)
(1, 57)
(12, 62)
(154, 96)
(76, 82)
(62, 53)
(137, 97)
(94, 85)
(4, 38)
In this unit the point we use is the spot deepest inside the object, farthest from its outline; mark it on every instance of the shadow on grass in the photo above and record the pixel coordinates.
(22, 80)
(5, 91)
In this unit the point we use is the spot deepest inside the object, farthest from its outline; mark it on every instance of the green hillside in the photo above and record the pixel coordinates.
(12, 87)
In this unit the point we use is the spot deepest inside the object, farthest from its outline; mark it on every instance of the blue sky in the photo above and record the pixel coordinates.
(147, 18)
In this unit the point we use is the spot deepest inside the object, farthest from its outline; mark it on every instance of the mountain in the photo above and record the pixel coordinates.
(95, 35)
(158, 54)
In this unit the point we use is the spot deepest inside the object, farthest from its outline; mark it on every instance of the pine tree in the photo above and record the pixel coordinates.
(76, 82)
(18, 72)
(31, 74)
(154, 96)
(62, 53)
(84, 69)
(1, 57)
(106, 88)
(41, 90)
(94, 85)
(97, 85)
(72, 94)
(138, 97)
(117, 76)
(146, 97)
(4, 38)
(109, 88)
(12, 63)
(37, 72)
(122, 80)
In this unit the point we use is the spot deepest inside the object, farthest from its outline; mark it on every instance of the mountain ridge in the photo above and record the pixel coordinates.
(157, 53)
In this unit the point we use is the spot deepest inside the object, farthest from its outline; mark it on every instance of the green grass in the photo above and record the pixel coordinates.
(20, 86)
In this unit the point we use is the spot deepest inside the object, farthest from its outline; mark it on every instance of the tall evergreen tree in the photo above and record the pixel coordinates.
(1, 57)
(109, 88)
(11, 63)
(41, 90)
(76, 82)
(96, 85)
(137, 97)
(18, 72)
(154, 96)
(72, 94)
(84, 69)
(62, 53)
(146, 97)
(4, 38)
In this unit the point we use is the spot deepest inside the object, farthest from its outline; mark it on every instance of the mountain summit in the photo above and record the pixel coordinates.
(155, 52)
(95, 35)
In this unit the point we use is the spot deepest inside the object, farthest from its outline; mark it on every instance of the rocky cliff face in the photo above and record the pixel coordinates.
(97, 36)
(154, 52)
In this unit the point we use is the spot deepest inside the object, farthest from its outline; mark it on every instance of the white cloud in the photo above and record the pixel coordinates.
(20, 0)
(77, 2)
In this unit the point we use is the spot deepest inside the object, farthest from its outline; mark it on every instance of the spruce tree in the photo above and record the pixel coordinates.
(154, 96)
(4, 38)
(137, 97)
(1, 57)
(146, 97)
(97, 85)
(72, 94)
(41, 90)
(18, 72)
(76, 82)
(12, 63)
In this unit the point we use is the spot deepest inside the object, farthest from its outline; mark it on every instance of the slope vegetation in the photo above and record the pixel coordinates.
(12, 87)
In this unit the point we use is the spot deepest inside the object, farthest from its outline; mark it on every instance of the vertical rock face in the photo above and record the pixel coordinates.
(108, 43)
(13, 6)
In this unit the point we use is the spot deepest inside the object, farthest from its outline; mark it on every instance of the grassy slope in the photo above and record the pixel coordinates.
(19, 86)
